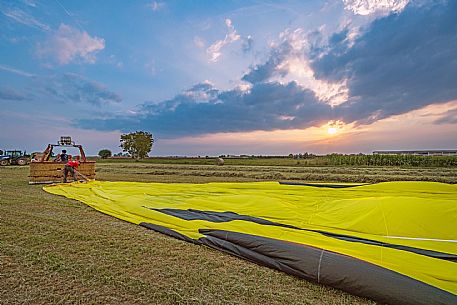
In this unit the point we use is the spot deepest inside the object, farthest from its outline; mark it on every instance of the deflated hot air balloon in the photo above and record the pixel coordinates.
(393, 242)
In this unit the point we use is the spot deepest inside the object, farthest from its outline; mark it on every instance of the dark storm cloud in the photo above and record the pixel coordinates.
(267, 106)
(263, 72)
(400, 63)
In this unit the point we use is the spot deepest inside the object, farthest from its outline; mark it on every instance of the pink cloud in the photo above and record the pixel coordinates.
(214, 50)
(68, 44)
(367, 7)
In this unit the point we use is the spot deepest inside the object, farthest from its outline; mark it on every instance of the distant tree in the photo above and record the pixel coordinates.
(105, 153)
(138, 144)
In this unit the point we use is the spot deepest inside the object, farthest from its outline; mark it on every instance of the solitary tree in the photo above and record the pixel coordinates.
(138, 144)
(105, 153)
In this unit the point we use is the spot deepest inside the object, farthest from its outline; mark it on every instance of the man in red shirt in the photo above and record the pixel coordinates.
(70, 167)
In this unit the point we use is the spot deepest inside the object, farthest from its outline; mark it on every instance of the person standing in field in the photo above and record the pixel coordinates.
(70, 167)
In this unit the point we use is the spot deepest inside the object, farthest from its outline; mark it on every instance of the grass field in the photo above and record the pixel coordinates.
(56, 250)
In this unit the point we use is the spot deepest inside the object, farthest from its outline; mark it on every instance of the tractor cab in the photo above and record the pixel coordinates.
(14, 153)
(14, 157)
(46, 169)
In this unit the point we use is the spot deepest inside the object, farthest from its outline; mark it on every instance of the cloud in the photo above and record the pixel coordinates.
(398, 64)
(74, 88)
(24, 18)
(402, 62)
(264, 71)
(214, 50)
(368, 7)
(203, 92)
(11, 94)
(204, 109)
(66, 88)
(155, 6)
(289, 61)
(68, 44)
(16, 71)
(449, 117)
(199, 42)
(247, 45)
(31, 3)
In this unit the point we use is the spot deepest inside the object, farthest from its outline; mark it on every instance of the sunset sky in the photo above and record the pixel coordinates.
(230, 77)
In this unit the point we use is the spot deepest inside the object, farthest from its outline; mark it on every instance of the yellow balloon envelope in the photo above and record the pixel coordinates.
(394, 242)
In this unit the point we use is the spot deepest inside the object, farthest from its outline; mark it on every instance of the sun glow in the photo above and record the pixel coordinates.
(332, 130)
(334, 127)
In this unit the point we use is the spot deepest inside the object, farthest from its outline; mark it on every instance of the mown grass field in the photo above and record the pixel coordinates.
(56, 250)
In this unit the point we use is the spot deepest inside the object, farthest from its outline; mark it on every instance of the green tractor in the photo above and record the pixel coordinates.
(14, 157)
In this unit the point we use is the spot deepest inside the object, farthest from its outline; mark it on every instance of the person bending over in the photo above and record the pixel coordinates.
(70, 167)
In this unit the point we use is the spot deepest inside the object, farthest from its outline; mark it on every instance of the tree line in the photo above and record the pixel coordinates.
(136, 145)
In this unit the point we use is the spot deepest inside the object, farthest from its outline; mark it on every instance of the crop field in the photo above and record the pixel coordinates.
(56, 250)
(204, 170)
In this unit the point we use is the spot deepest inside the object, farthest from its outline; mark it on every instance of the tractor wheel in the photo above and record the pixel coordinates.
(21, 162)
(4, 162)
